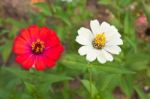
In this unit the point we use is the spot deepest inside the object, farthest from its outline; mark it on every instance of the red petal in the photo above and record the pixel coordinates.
(39, 64)
(26, 60)
(24, 33)
(53, 41)
(49, 62)
(44, 33)
(20, 46)
(23, 43)
(54, 53)
(49, 36)
(34, 31)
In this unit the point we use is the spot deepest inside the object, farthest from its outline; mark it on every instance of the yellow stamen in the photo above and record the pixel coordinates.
(37, 46)
(37, 50)
(99, 41)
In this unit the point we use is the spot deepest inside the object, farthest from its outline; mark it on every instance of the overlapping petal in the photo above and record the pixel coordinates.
(25, 46)
(113, 40)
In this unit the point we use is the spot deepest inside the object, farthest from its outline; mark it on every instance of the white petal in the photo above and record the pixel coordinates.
(115, 30)
(104, 27)
(115, 42)
(112, 37)
(84, 37)
(112, 33)
(85, 32)
(107, 55)
(91, 55)
(95, 26)
(82, 40)
(83, 50)
(101, 58)
(113, 49)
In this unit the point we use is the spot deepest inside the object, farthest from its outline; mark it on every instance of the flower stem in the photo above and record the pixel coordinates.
(90, 79)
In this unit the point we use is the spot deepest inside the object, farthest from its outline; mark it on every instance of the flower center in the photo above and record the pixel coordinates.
(99, 41)
(37, 46)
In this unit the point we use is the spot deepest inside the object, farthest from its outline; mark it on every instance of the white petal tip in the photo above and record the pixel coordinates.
(102, 62)
(104, 22)
(89, 60)
(76, 40)
(110, 60)
(95, 20)
(81, 53)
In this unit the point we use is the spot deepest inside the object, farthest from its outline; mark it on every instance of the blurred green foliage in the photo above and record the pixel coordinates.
(129, 71)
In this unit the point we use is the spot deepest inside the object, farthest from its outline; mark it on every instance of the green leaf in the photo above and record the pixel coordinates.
(74, 61)
(105, 2)
(4, 94)
(6, 50)
(116, 22)
(131, 42)
(137, 57)
(19, 73)
(146, 10)
(16, 23)
(140, 92)
(107, 95)
(45, 8)
(87, 85)
(148, 72)
(110, 69)
(77, 62)
(51, 78)
(30, 87)
(15, 26)
(127, 23)
(26, 96)
(4, 31)
(63, 16)
(125, 3)
(126, 85)
(106, 81)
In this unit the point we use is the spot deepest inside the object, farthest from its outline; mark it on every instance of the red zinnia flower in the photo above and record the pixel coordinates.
(37, 47)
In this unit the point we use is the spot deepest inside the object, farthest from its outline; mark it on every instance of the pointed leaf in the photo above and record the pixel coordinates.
(87, 85)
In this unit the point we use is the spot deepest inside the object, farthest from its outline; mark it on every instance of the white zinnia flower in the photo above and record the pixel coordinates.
(100, 43)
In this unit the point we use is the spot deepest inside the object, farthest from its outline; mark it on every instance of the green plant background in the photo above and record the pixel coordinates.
(129, 72)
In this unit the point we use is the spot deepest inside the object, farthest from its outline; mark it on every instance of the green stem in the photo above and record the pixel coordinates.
(90, 79)
(65, 90)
